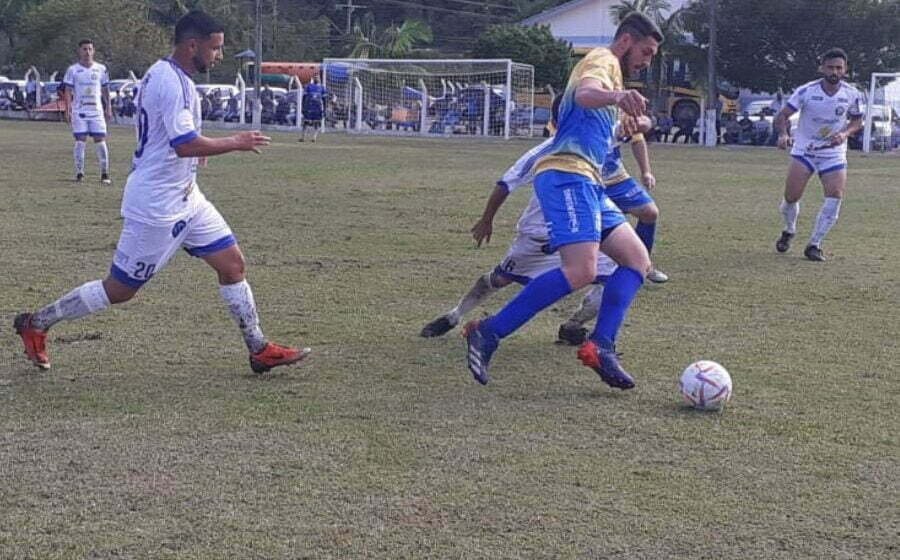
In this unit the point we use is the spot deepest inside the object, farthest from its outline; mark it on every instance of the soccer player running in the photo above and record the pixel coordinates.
(162, 207)
(86, 99)
(829, 114)
(580, 217)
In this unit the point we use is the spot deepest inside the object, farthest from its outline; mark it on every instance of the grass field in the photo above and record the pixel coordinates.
(150, 438)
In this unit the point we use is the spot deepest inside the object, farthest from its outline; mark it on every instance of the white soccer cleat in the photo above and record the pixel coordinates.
(657, 276)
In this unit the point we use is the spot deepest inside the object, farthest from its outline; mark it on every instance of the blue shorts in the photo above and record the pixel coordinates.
(628, 194)
(576, 209)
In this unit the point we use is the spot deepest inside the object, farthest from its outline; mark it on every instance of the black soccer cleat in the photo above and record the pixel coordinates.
(784, 242)
(105, 180)
(814, 253)
(571, 334)
(79, 177)
(439, 327)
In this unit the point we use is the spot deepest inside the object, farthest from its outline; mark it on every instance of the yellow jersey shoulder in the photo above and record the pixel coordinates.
(602, 65)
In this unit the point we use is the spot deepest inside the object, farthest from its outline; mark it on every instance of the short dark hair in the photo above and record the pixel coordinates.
(833, 53)
(196, 25)
(639, 26)
(84, 42)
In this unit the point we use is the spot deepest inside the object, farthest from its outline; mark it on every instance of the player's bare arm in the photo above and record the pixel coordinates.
(67, 104)
(204, 146)
(782, 125)
(107, 104)
(854, 126)
(591, 94)
(484, 227)
(642, 156)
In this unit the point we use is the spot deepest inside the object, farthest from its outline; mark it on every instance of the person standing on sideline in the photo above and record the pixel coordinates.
(162, 207)
(86, 99)
(830, 113)
(312, 107)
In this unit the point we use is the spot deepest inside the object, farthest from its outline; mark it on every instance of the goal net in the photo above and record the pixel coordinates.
(430, 97)
(882, 121)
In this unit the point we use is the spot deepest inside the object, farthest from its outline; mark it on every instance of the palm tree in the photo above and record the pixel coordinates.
(653, 8)
(367, 41)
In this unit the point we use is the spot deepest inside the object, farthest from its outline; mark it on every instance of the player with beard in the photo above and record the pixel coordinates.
(829, 114)
(162, 207)
(581, 219)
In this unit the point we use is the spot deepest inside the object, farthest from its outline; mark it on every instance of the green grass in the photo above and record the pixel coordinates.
(150, 439)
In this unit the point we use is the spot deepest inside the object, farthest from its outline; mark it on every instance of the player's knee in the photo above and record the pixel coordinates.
(648, 214)
(581, 274)
(232, 272)
(497, 280)
(117, 292)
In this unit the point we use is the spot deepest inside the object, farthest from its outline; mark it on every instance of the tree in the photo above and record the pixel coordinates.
(551, 57)
(368, 41)
(123, 37)
(655, 9)
(768, 45)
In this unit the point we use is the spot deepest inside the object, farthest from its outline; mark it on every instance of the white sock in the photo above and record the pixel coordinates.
(828, 216)
(589, 308)
(102, 156)
(84, 300)
(790, 211)
(79, 156)
(239, 298)
(479, 291)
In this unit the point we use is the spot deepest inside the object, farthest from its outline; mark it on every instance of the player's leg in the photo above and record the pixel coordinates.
(141, 252)
(632, 198)
(622, 244)
(573, 331)
(98, 133)
(571, 207)
(78, 155)
(799, 172)
(210, 238)
(485, 286)
(834, 181)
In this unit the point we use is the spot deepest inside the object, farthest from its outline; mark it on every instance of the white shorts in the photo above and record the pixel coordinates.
(527, 258)
(88, 124)
(144, 249)
(821, 164)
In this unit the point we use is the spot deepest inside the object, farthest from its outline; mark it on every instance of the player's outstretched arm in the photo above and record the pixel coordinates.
(782, 125)
(484, 227)
(204, 146)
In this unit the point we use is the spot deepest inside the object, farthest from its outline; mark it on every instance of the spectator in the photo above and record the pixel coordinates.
(31, 92)
(763, 131)
(233, 109)
(685, 128)
(732, 129)
(663, 127)
(746, 136)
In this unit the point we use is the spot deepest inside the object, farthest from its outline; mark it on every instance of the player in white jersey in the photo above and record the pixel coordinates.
(829, 114)
(87, 108)
(528, 255)
(162, 207)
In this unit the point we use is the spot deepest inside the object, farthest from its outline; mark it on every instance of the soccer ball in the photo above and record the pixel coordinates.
(705, 385)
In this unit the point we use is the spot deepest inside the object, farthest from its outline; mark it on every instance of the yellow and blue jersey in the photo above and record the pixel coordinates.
(584, 136)
(613, 170)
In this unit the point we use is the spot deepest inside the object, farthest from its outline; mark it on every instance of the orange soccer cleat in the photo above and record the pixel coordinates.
(274, 355)
(35, 340)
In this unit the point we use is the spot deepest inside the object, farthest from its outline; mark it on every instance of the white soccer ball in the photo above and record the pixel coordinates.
(705, 385)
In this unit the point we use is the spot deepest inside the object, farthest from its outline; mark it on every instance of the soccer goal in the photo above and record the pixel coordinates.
(882, 125)
(430, 97)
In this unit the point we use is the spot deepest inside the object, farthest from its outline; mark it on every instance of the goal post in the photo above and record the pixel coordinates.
(425, 97)
(881, 131)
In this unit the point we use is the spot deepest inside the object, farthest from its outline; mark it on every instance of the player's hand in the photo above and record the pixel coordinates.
(627, 126)
(250, 141)
(785, 141)
(837, 138)
(632, 102)
(649, 181)
(482, 231)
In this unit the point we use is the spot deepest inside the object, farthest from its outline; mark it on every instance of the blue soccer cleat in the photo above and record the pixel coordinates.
(481, 346)
(606, 363)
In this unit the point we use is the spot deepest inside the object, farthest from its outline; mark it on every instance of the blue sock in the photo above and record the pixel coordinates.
(646, 232)
(541, 292)
(618, 294)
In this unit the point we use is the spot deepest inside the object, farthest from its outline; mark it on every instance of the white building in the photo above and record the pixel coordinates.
(586, 24)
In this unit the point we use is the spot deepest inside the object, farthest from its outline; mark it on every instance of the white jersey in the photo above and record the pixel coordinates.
(162, 187)
(531, 222)
(86, 84)
(822, 115)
